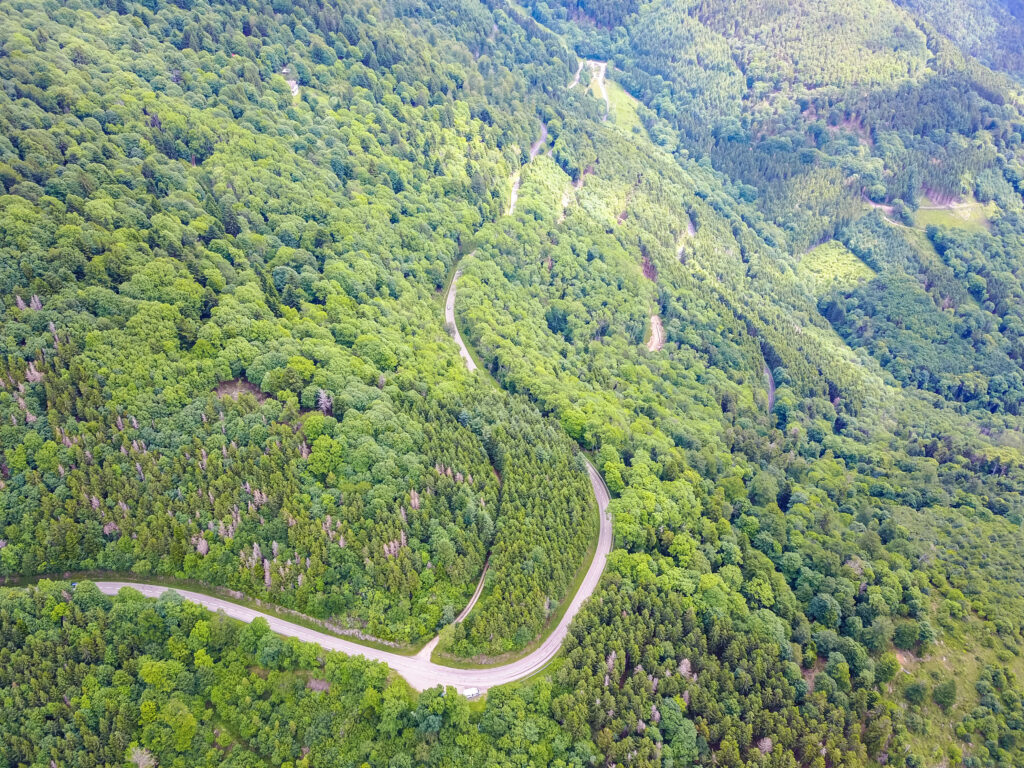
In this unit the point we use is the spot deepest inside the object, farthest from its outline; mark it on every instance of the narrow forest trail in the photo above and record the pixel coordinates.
(419, 671)
(657, 340)
(428, 650)
(476, 596)
(576, 78)
(888, 211)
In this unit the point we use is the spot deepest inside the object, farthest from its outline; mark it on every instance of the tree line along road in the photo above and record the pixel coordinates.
(420, 672)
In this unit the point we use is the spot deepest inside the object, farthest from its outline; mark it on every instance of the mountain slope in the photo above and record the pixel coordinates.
(225, 234)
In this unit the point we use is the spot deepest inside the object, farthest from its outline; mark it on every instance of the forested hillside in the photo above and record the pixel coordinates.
(221, 351)
(762, 262)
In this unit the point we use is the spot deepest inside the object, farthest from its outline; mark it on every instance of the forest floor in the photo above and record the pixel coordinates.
(233, 388)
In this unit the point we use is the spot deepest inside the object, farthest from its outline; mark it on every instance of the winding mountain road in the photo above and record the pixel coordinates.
(449, 319)
(418, 670)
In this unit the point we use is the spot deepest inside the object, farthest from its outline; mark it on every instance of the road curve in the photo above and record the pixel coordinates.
(449, 319)
(771, 386)
(419, 671)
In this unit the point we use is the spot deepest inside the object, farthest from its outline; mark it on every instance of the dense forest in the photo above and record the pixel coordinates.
(221, 356)
(763, 263)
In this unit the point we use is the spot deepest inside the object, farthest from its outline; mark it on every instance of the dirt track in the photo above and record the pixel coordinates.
(657, 340)
(599, 69)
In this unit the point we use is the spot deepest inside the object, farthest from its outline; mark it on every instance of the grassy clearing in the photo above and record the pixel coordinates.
(832, 265)
(969, 214)
(621, 106)
(961, 653)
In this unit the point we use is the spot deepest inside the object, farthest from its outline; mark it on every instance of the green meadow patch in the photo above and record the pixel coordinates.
(832, 265)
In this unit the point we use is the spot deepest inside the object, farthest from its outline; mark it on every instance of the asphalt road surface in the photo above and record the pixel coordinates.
(419, 671)
(449, 318)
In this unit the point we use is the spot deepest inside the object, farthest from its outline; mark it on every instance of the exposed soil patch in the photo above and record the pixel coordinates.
(941, 200)
(236, 387)
(771, 386)
(657, 340)
(650, 271)
(535, 147)
(516, 180)
(292, 84)
(808, 674)
(906, 659)
(515, 194)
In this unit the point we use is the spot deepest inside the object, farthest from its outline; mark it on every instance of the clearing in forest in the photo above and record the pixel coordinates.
(597, 83)
(832, 265)
(966, 214)
(621, 106)
(235, 387)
